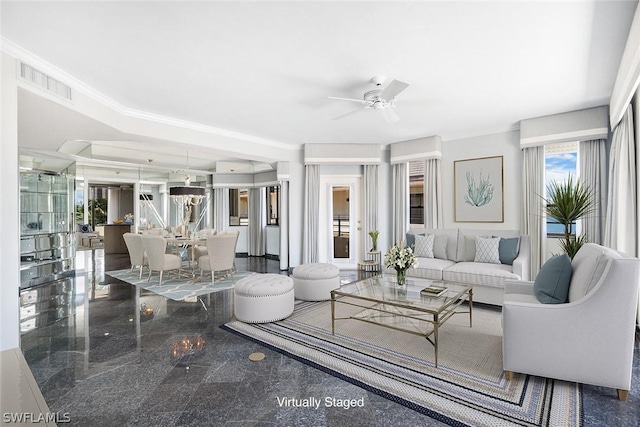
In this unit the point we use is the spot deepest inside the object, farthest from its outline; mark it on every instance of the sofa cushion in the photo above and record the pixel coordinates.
(552, 282)
(477, 273)
(508, 249)
(424, 246)
(430, 268)
(487, 250)
(588, 265)
(440, 246)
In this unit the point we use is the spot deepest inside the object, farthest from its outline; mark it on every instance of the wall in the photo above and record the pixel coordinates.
(505, 144)
(9, 220)
(273, 239)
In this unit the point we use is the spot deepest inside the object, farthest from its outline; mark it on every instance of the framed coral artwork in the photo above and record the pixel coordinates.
(479, 190)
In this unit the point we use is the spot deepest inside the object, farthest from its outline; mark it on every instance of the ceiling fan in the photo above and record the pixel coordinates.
(378, 99)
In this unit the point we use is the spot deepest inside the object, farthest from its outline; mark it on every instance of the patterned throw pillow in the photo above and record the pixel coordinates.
(424, 246)
(84, 228)
(488, 250)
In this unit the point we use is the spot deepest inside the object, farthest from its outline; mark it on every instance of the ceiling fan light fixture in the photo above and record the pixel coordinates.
(378, 99)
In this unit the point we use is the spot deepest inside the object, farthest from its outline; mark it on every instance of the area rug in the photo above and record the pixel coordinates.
(177, 289)
(467, 389)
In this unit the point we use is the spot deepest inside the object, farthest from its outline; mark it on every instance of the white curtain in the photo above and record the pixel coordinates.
(370, 202)
(257, 220)
(311, 214)
(433, 194)
(620, 225)
(220, 208)
(532, 222)
(593, 173)
(400, 214)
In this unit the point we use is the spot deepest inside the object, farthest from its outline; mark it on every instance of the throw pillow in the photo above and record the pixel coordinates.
(84, 228)
(552, 282)
(487, 250)
(424, 246)
(440, 246)
(469, 248)
(509, 250)
(410, 239)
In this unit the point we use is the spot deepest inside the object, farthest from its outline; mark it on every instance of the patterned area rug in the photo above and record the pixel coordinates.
(177, 289)
(467, 388)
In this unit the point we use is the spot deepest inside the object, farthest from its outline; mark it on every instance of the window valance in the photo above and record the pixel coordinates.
(416, 149)
(344, 154)
(628, 76)
(592, 123)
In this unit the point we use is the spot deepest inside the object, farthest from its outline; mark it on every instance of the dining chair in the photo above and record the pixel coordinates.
(236, 233)
(221, 255)
(200, 250)
(159, 260)
(136, 251)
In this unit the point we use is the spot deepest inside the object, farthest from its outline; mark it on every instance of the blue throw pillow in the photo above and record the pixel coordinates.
(508, 250)
(552, 282)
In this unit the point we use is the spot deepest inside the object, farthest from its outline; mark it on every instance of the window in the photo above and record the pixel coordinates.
(560, 161)
(416, 192)
(238, 206)
(79, 202)
(273, 203)
(98, 202)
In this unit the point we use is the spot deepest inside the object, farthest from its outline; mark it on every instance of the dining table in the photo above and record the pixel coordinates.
(188, 243)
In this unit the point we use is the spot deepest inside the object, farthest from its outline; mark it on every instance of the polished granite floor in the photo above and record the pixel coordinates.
(106, 363)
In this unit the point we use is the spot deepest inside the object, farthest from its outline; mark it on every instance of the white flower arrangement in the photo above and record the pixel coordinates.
(400, 257)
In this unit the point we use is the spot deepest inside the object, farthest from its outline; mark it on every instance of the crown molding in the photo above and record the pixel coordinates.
(16, 51)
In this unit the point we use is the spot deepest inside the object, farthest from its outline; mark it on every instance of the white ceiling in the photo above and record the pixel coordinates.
(265, 69)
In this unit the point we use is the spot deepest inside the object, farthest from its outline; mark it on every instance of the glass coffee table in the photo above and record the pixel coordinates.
(409, 308)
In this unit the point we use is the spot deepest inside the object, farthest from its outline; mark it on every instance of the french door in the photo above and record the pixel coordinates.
(340, 227)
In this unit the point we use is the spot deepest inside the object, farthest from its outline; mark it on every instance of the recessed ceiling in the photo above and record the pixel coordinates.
(266, 69)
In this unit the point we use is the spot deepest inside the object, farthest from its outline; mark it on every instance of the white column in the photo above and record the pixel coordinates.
(113, 204)
(136, 206)
(9, 212)
(284, 225)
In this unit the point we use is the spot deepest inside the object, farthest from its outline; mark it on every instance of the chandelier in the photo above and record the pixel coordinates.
(187, 195)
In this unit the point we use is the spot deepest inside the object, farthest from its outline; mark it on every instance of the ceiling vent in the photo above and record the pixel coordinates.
(43, 81)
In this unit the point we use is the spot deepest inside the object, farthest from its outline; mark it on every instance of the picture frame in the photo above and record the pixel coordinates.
(479, 189)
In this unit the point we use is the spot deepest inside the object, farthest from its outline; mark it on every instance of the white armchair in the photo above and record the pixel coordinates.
(589, 339)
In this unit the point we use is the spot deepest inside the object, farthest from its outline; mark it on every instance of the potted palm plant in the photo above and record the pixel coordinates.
(567, 201)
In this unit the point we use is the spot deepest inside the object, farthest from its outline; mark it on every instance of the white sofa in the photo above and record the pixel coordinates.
(590, 338)
(487, 279)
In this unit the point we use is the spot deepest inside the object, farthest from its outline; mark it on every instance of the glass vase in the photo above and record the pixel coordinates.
(401, 276)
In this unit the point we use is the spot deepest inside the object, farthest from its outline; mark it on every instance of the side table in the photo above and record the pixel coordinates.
(371, 265)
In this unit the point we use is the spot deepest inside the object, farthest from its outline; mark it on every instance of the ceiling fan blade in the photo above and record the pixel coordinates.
(362, 101)
(394, 88)
(390, 114)
(350, 113)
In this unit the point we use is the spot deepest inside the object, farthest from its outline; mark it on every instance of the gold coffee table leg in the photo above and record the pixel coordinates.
(333, 313)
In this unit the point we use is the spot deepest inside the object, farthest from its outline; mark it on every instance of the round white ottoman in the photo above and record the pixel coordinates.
(314, 282)
(262, 298)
